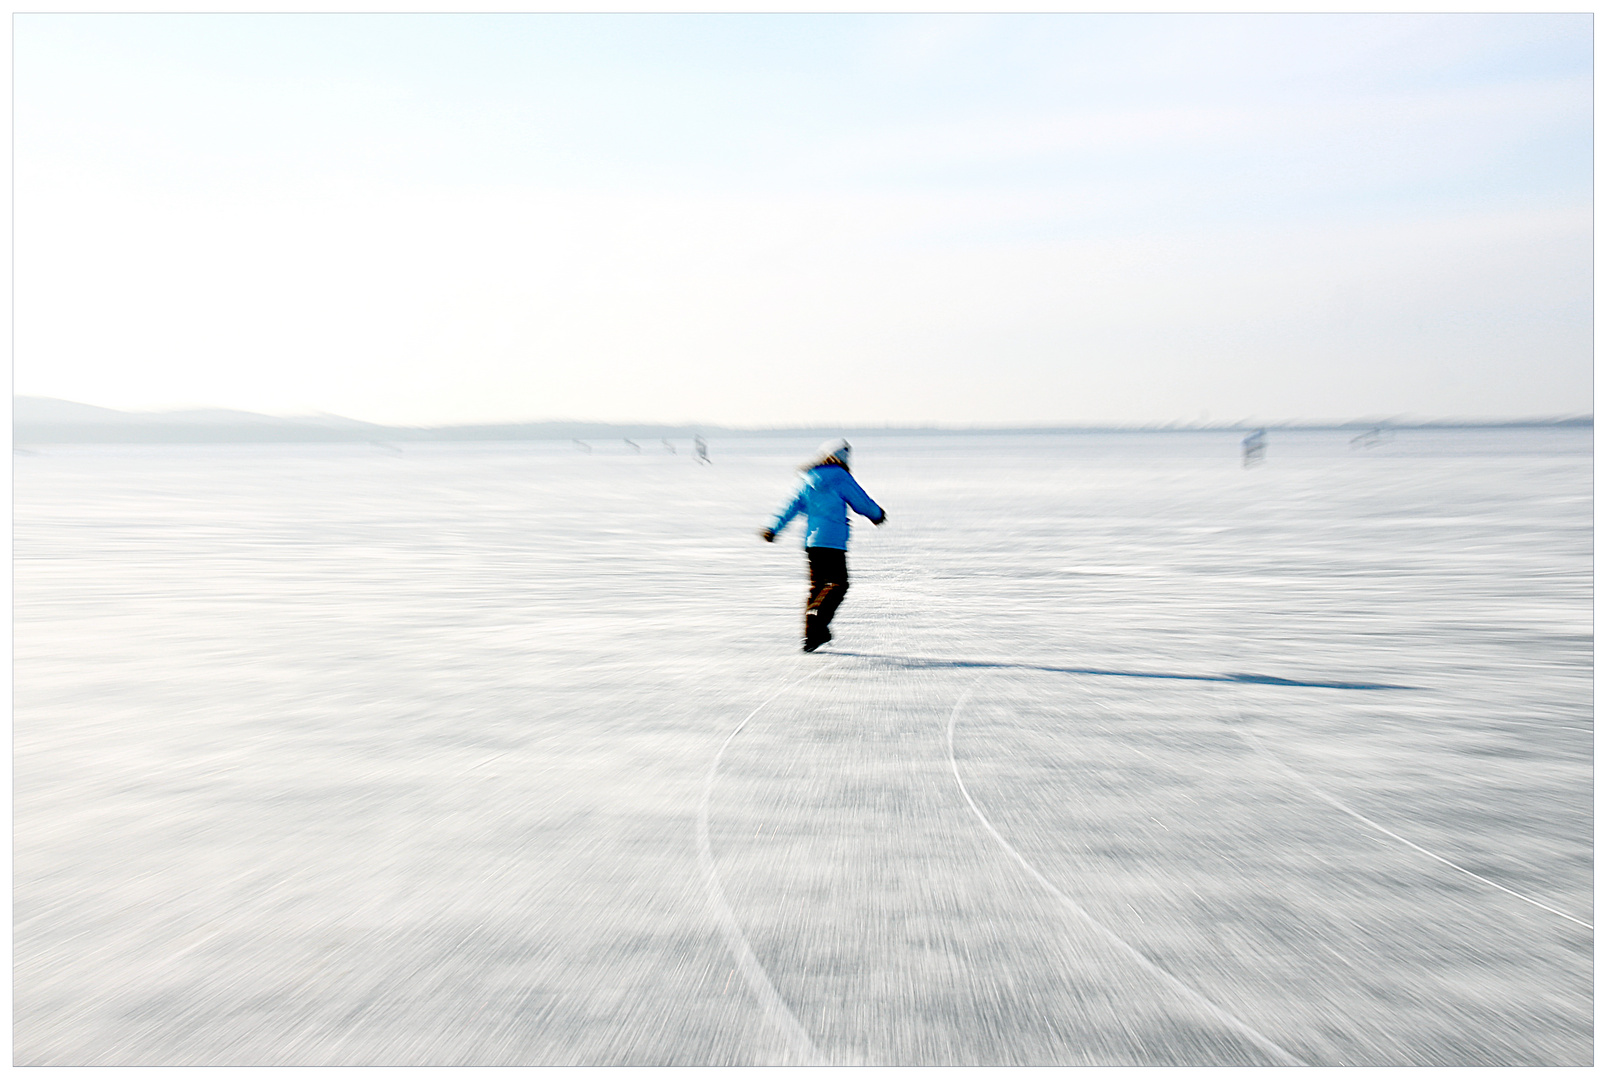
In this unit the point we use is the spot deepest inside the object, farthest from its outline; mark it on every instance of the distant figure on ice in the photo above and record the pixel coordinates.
(1255, 446)
(825, 497)
(701, 449)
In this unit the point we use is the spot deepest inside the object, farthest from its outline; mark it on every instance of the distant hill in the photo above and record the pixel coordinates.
(44, 410)
(38, 420)
(52, 420)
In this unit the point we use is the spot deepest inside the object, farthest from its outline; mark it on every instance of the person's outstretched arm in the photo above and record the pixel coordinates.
(862, 503)
(788, 512)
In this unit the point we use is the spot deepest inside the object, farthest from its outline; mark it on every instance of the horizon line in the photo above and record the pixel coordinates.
(180, 418)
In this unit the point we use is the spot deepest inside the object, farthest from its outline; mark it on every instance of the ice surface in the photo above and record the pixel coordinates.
(338, 755)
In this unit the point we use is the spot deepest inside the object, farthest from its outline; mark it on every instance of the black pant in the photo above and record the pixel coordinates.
(828, 581)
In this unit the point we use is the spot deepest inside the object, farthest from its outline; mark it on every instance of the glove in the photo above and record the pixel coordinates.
(881, 519)
(767, 536)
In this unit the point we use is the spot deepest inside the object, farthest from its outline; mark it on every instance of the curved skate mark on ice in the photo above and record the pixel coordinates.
(1241, 729)
(736, 941)
(1268, 680)
(1261, 1041)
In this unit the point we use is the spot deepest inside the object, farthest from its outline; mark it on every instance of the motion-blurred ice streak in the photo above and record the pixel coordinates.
(1277, 1052)
(753, 972)
(1242, 729)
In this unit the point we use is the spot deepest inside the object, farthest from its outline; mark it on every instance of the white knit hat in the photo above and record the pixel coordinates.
(831, 448)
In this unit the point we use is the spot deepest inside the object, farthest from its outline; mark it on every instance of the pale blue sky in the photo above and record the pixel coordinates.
(786, 219)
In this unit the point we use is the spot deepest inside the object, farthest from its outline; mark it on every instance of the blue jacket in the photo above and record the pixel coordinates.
(824, 496)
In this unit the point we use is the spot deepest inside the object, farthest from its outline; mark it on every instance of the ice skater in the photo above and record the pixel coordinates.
(825, 496)
(1254, 447)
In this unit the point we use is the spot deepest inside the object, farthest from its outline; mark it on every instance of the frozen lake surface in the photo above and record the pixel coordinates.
(505, 754)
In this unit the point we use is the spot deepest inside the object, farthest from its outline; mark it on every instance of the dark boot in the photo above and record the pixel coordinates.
(816, 632)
